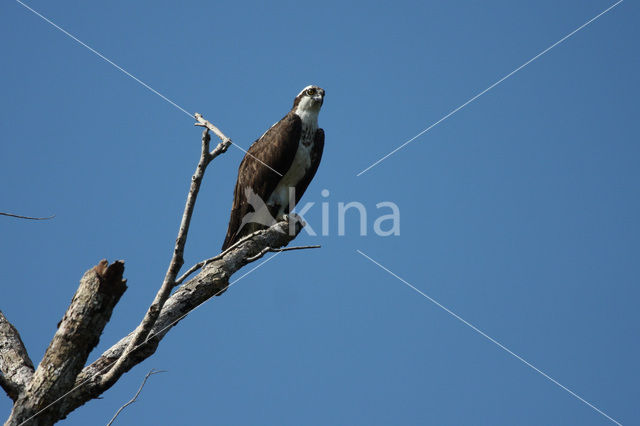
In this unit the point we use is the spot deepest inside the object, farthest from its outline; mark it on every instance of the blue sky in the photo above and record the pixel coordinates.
(519, 212)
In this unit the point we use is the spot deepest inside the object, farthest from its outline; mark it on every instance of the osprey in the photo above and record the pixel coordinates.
(277, 168)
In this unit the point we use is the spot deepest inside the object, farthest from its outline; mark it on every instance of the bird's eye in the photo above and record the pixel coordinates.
(311, 92)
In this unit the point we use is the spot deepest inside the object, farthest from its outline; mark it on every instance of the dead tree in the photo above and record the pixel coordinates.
(63, 381)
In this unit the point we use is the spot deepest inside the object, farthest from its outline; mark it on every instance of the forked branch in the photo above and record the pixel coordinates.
(61, 384)
(211, 281)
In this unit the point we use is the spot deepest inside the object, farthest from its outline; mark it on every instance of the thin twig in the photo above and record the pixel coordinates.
(226, 142)
(177, 260)
(195, 268)
(135, 397)
(217, 257)
(27, 217)
(204, 123)
(277, 250)
(202, 263)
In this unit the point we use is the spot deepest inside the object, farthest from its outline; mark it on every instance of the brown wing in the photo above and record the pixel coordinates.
(316, 156)
(275, 149)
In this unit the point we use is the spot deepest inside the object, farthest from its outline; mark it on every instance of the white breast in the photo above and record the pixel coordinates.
(299, 167)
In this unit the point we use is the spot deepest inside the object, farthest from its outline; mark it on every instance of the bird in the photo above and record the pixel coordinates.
(277, 168)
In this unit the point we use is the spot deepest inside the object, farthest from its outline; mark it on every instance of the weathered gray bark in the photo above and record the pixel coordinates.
(64, 395)
(16, 368)
(78, 333)
(211, 281)
(62, 382)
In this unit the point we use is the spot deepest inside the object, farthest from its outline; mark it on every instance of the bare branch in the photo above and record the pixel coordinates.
(27, 217)
(213, 280)
(60, 384)
(177, 260)
(78, 333)
(135, 397)
(204, 123)
(16, 368)
(195, 268)
(278, 250)
(211, 259)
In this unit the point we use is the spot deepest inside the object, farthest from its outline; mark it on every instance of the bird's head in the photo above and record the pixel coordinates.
(309, 99)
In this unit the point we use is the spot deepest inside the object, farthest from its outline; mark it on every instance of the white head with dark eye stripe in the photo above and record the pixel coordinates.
(308, 102)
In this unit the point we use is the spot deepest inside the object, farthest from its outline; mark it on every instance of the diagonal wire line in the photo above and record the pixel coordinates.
(171, 324)
(490, 87)
(256, 158)
(127, 73)
(491, 339)
(106, 59)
